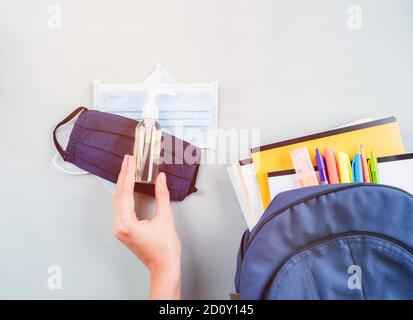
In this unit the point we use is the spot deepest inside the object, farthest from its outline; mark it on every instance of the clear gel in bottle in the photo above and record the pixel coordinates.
(148, 136)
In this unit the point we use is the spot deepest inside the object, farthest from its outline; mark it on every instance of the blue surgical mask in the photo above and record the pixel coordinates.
(188, 114)
(194, 106)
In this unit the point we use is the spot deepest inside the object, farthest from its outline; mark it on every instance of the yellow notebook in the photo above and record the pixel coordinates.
(382, 136)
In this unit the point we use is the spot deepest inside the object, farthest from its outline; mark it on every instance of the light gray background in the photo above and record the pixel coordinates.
(286, 67)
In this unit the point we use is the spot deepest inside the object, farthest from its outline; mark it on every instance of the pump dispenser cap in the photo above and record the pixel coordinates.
(150, 110)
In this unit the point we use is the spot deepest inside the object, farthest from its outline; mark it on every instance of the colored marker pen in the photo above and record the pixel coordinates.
(357, 168)
(366, 173)
(332, 167)
(322, 172)
(374, 169)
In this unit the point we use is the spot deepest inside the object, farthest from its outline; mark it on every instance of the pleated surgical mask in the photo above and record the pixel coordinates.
(188, 114)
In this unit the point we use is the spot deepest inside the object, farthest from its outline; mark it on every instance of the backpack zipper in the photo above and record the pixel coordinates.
(302, 200)
(349, 234)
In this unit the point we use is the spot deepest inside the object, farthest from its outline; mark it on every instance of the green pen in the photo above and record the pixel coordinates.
(374, 169)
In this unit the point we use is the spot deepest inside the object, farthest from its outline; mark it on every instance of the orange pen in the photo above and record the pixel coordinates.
(366, 174)
(331, 163)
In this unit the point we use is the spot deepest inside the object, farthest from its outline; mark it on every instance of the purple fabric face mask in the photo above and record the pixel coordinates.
(99, 141)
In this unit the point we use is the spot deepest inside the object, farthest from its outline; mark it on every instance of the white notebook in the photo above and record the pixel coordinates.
(397, 171)
(244, 181)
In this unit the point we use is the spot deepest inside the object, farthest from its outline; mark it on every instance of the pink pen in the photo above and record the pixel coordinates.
(366, 174)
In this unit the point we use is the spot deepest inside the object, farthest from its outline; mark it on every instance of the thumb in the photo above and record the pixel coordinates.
(163, 206)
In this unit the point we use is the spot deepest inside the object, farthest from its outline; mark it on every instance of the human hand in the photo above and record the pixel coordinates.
(154, 241)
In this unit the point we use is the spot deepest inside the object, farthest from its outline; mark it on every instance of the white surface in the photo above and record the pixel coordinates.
(287, 67)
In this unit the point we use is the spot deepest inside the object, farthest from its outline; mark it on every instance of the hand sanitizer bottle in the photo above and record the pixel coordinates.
(148, 136)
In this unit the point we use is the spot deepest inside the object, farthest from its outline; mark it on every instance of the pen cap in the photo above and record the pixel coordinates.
(150, 109)
(356, 161)
(357, 168)
(344, 166)
(373, 162)
(320, 160)
(332, 168)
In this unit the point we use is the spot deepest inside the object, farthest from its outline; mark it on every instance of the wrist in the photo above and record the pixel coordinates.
(171, 274)
(168, 267)
(165, 283)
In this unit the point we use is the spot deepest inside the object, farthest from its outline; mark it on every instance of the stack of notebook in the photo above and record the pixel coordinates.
(269, 171)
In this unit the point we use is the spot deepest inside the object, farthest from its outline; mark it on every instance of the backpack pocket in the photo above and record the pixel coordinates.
(352, 265)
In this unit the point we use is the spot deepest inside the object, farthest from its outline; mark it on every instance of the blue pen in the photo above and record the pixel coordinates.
(322, 171)
(357, 167)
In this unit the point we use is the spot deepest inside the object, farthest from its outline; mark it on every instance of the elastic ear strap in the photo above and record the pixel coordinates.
(73, 173)
(63, 122)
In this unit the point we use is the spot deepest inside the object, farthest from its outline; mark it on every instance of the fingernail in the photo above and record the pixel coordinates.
(162, 177)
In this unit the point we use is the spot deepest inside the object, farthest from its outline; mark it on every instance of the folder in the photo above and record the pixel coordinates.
(394, 171)
(382, 136)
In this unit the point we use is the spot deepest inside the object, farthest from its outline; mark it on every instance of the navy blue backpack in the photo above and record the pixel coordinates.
(344, 241)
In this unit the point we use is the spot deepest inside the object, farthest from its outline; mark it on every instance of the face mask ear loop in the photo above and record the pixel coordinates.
(60, 150)
(73, 173)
